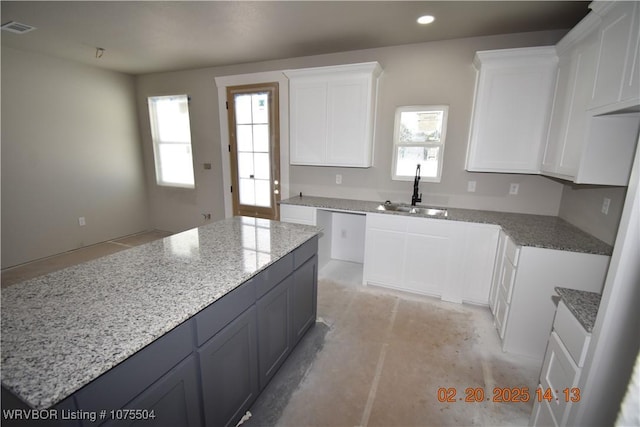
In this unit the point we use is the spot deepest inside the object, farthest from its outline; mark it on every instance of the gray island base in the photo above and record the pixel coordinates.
(246, 293)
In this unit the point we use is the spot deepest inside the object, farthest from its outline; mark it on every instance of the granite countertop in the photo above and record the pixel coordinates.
(540, 231)
(62, 330)
(582, 304)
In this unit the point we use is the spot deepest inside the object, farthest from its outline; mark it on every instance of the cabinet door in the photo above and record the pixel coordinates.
(631, 85)
(274, 329)
(613, 53)
(479, 255)
(308, 127)
(501, 314)
(348, 138)
(559, 115)
(513, 99)
(174, 399)
(559, 372)
(384, 257)
(229, 368)
(430, 257)
(304, 295)
(542, 416)
(497, 272)
(583, 63)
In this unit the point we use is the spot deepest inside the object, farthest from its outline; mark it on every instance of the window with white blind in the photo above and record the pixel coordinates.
(171, 133)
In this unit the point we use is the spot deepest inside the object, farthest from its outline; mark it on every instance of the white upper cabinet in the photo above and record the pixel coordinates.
(568, 124)
(514, 93)
(616, 84)
(332, 113)
(584, 145)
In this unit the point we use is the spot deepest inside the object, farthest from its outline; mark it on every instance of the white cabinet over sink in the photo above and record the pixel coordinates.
(332, 113)
(514, 93)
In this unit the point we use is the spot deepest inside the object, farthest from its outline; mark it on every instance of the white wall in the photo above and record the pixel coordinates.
(70, 148)
(424, 73)
(581, 205)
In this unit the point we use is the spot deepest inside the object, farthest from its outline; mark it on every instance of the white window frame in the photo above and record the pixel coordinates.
(160, 180)
(419, 143)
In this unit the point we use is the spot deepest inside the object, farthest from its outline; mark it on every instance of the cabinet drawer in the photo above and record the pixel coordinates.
(507, 280)
(387, 222)
(118, 386)
(512, 251)
(575, 338)
(219, 314)
(274, 274)
(431, 227)
(298, 214)
(305, 251)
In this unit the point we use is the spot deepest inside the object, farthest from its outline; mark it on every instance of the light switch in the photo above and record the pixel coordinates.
(513, 189)
(338, 179)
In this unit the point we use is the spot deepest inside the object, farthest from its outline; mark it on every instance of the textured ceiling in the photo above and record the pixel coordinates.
(154, 36)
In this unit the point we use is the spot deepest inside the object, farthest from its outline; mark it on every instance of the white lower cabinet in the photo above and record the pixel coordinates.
(497, 270)
(384, 256)
(560, 370)
(298, 214)
(429, 257)
(449, 259)
(524, 309)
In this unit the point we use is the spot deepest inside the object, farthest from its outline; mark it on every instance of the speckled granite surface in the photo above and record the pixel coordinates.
(526, 230)
(582, 304)
(62, 330)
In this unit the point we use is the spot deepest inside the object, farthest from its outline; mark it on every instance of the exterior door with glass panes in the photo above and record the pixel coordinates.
(254, 149)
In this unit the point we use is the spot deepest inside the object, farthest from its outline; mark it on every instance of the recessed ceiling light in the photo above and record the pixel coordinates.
(426, 19)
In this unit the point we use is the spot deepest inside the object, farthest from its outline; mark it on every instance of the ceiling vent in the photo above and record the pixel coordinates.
(17, 27)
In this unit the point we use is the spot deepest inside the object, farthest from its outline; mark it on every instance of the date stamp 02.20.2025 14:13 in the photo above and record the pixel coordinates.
(507, 395)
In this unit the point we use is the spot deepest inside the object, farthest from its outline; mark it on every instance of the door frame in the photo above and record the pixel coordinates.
(283, 94)
(272, 212)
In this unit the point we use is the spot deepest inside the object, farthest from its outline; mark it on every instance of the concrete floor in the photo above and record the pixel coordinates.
(375, 358)
(384, 355)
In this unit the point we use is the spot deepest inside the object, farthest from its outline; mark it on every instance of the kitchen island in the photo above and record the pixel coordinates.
(99, 335)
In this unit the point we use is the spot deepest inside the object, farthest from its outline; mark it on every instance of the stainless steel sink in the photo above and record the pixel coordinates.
(418, 209)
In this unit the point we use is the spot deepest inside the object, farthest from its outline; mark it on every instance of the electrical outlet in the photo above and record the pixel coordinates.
(81, 221)
(338, 179)
(471, 186)
(513, 189)
(207, 216)
(605, 205)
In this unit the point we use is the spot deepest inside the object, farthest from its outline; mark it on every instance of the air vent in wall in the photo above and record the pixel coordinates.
(17, 27)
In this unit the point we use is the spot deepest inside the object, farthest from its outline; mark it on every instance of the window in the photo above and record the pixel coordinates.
(418, 138)
(169, 116)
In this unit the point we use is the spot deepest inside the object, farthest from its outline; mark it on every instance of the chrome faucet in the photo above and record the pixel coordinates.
(415, 198)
